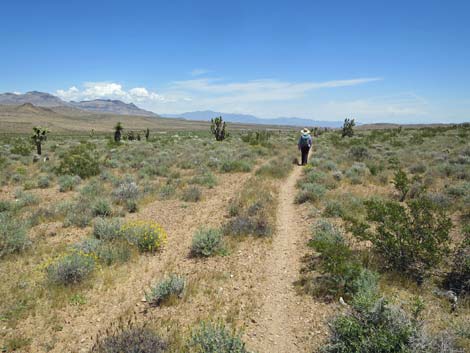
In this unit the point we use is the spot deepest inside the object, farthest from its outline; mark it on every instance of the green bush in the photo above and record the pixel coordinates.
(410, 238)
(102, 208)
(215, 338)
(336, 262)
(235, 166)
(170, 287)
(207, 242)
(376, 327)
(107, 229)
(68, 182)
(310, 192)
(207, 179)
(333, 208)
(401, 183)
(110, 253)
(44, 182)
(70, 268)
(359, 153)
(79, 160)
(458, 278)
(13, 235)
(21, 147)
(78, 214)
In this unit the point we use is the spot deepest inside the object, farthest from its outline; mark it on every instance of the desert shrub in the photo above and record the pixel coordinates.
(356, 172)
(25, 199)
(21, 147)
(13, 235)
(146, 235)
(78, 214)
(130, 339)
(458, 278)
(29, 184)
(417, 168)
(439, 199)
(278, 168)
(170, 287)
(5, 206)
(207, 179)
(79, 160)
(70, 268)
(110, 253)
(232, 166)
(166, 192)
(401, 183)
(44, 182)
(102, 208)
(359, 153)
(459, 190)
(215, 338)
(411, 239)
(377, 327)
(207, 242)
(126, 191)
(310, 192)
(247, 225)
(68, 182)
(333, 208)
(107, 229)
(336, 262)
(87, 246)
(191, 194)
(442, 342)
(337, 175)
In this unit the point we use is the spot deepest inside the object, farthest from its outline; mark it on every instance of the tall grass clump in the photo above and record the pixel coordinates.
(68, 182)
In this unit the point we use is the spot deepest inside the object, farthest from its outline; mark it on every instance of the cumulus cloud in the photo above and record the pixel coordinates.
(108, 90)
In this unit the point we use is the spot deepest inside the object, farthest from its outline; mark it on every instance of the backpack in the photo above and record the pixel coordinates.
(304, 141)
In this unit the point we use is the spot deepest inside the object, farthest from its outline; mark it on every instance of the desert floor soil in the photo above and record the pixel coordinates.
(288, 321)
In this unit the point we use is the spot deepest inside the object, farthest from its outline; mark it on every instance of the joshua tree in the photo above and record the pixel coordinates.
(147, 134)
(38, 137)
(218, 128)
(348, 128)
(118, 132)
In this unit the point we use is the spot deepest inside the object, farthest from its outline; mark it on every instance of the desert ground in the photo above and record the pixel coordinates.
(197, 245)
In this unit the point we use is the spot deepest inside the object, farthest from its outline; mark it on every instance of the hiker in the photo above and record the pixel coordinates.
(304, 144)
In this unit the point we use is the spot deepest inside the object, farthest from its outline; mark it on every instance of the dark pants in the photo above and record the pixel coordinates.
(304, 151)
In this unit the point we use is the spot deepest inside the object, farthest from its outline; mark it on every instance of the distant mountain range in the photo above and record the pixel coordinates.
(251, 119)
(47, 100)
(42, 99)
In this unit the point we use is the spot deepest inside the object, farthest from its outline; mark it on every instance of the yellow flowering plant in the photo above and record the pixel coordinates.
(148, 236)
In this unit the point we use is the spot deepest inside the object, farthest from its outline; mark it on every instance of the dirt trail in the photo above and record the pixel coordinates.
(282, 323)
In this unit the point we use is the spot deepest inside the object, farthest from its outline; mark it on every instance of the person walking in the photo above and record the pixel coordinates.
(304, 144)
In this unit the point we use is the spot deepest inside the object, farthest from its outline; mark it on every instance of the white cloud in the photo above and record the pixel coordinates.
(109, 90)
(199, 72)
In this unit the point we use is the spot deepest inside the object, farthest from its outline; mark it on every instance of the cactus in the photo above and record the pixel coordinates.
(118, 132)
(348, 128)
(147, 134)
(38, 137)
(218, 128)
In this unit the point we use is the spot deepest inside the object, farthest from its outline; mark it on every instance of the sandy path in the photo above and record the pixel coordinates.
(288, 321)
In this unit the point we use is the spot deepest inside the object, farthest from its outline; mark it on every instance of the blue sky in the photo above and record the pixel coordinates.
(394, 61)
